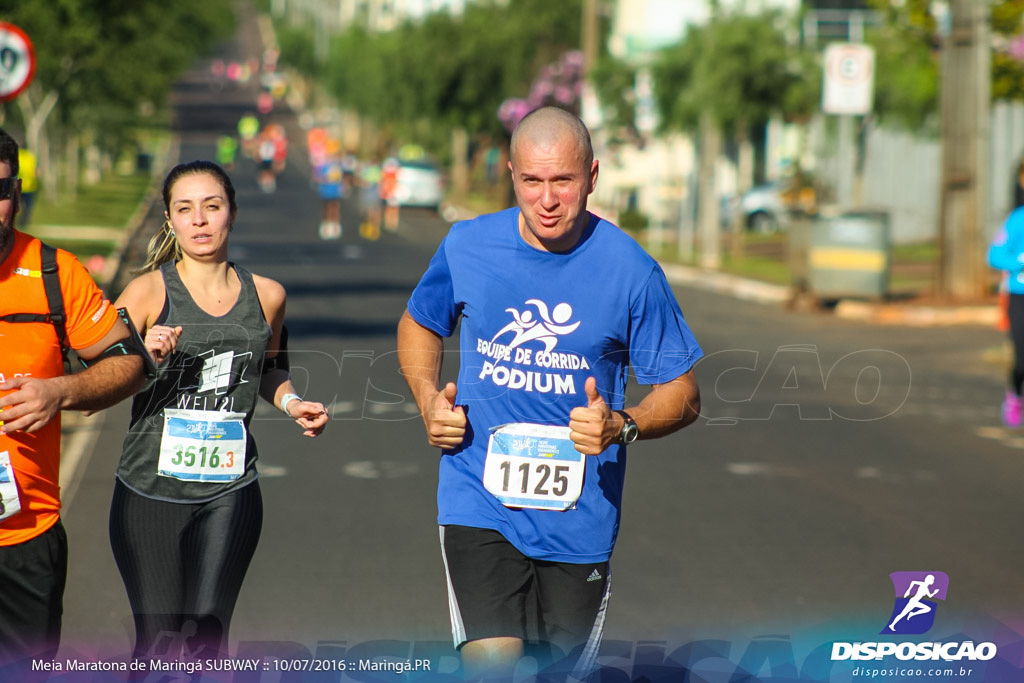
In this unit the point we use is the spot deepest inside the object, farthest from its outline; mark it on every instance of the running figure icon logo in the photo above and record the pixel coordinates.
(550, 326)
(914, 610)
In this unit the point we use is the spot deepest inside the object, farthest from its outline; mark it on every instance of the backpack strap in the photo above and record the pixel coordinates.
(55, 301)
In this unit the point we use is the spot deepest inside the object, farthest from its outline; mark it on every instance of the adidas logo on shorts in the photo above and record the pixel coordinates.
(594, 576)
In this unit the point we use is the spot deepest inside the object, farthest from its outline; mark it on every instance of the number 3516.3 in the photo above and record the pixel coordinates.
(206, 457)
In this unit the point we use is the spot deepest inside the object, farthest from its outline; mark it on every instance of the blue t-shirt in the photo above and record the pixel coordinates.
(1007, 250)
(329, 177)
(534, 326)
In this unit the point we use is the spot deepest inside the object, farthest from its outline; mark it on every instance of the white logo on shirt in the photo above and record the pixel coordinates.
(550, 326)
(533, 369)
(216, 373)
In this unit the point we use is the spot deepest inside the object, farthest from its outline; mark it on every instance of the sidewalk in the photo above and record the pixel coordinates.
(880, 312)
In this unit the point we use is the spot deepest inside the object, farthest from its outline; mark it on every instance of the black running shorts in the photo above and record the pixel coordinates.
(492, 587)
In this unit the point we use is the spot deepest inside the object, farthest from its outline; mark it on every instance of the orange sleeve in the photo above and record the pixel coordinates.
(90, 315)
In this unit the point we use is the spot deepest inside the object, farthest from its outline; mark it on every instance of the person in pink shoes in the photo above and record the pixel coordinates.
(1007, 253)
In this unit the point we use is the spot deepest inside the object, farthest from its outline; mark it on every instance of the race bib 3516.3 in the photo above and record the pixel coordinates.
(202, 445)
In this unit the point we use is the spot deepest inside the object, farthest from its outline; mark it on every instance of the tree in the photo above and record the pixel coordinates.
(907, 45)
(424, 80)
(740, 66)
(98, 61)
(614, 81)
(559, 84)
(733, 73)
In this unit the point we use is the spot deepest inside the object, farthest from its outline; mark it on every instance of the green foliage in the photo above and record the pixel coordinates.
(117, 51)
(741, 66)
(296, 48)
(1007, 69)
(423, 79)
(1007, 17)
(677, 89)
(107, 204)
(908, 54)
(906, 64)
(614, 81)
(906, 77)
(102, 59)
(632, 220)
(1007, 77)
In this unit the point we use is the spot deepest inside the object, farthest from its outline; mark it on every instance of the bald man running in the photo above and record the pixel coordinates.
(533, 432)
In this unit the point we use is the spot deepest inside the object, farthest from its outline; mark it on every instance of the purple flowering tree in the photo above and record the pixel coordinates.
(559, 84)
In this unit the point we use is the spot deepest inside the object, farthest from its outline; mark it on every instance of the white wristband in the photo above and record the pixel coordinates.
(287, 399)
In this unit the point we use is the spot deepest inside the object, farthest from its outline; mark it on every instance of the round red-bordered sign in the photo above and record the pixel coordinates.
(17, 61)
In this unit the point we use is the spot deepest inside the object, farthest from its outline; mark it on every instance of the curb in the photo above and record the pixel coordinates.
(847, 309)
(918, 316)
(724, 283)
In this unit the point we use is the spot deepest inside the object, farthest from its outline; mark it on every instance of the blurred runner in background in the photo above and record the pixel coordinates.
(369, 201)
(29, 185)
(248, 129)
(389, 193)
(227, 147)
(330, 188)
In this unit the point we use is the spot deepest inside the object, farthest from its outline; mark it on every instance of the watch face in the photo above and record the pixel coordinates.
(629, 433)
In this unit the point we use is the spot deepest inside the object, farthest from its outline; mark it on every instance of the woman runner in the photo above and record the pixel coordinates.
(186, 513)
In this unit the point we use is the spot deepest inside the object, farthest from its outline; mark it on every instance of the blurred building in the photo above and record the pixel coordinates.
(376, 15)
(384, 15)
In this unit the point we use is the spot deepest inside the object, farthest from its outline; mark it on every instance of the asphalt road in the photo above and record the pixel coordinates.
(829, 455)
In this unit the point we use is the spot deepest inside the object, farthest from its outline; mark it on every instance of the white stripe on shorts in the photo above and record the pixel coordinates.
(587, 663)
(458, 627)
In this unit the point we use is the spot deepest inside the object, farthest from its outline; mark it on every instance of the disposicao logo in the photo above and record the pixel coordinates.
(913, 613)
(916, 592)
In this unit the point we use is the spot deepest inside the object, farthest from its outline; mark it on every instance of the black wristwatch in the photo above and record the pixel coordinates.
(630, 432)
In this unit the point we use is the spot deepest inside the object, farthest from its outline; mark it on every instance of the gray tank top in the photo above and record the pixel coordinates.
(178, 446)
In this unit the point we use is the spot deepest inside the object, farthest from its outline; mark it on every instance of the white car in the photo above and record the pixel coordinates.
(763, 208)
(420, 183)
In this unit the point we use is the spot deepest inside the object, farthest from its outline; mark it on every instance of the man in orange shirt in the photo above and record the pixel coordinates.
(33, 391)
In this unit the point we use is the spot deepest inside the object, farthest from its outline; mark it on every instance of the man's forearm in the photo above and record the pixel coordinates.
(419, 359)
(668, 407)
(100, 386)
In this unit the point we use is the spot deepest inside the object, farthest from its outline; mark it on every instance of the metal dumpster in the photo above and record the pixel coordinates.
(849, 255)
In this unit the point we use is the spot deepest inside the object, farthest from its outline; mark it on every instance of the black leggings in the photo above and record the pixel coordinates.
(1016, 315)
(183, 565)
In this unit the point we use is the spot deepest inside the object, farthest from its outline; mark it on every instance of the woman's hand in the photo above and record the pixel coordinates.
(161, 341)
(309, 415)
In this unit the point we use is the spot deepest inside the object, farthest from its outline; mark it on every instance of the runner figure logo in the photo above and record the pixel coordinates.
(914, 610)
(550, 326)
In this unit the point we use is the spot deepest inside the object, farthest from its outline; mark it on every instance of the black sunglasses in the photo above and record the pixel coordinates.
(7, 186)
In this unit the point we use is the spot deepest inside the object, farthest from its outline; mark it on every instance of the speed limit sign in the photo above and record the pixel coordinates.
(17, 61)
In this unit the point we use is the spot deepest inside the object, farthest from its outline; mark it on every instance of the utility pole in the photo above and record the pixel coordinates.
(963, 210)
(589, 34)
(708, 215)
